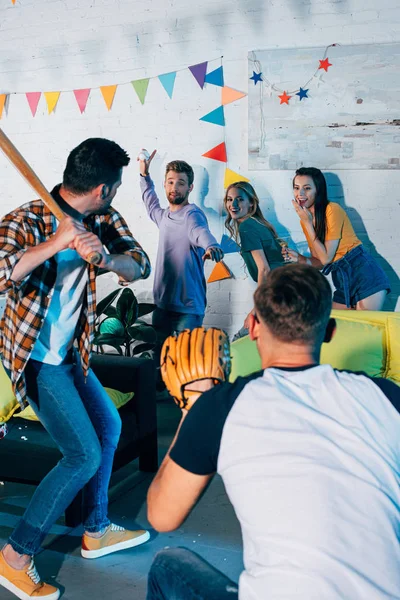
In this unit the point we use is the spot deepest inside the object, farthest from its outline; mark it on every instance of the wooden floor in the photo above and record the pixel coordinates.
(211, 530)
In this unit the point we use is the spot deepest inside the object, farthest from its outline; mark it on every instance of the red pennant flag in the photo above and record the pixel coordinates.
(33, 101)
(217, 153)
(82, 98)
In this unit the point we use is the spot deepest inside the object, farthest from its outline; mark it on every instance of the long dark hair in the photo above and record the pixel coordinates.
(255, 210)
(321, 199)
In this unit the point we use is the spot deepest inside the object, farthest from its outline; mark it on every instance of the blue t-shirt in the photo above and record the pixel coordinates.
(179, 282)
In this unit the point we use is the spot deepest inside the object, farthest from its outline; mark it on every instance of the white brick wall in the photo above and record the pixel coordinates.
(55, 45)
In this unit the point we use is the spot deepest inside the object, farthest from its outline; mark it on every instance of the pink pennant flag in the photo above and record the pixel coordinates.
(33, 101)
(82, 98)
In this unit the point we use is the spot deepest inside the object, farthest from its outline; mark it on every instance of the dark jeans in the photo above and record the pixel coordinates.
(179, 574)
(84, 423)
(167, 322)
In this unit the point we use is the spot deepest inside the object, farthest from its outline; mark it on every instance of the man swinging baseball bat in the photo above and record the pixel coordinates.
(47, 272)
(309, 457)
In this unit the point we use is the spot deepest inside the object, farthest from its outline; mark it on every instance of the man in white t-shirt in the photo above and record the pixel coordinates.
(310, 458)
(51, 303)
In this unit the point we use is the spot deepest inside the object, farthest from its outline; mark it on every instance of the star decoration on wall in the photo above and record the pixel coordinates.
(256, 77)
(284, 98)
(324, 64)
(302, 93)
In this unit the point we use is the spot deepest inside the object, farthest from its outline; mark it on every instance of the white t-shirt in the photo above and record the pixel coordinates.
(310, 459)
(57, 333)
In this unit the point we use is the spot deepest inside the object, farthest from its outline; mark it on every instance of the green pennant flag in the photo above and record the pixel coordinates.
(140, 86)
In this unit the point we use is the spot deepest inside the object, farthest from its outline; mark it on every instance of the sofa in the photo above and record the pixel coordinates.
(28, 453)
(367, 341)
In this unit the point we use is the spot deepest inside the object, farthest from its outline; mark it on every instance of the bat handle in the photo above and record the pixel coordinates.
(94, 258)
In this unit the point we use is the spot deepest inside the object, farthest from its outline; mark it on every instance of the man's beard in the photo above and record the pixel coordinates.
(177, 199)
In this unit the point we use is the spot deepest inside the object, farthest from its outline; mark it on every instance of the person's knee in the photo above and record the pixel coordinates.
(86, 459)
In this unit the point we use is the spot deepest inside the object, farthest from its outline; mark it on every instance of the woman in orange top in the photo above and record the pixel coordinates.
(359, 281)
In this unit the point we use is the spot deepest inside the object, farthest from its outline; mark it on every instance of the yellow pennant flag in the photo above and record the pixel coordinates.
(3, 98)
(108, 92)
(232, 177)
(51, 99)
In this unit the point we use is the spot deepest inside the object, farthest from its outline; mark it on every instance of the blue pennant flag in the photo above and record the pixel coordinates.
(216, 116)
(215, 77)
(168, 81)
(229, 245)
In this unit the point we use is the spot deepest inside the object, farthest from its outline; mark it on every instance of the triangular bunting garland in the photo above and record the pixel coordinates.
(108, 92)
(199, 72)
(3, 98)
(228, 245)
(217, 153)
(216, 116)
(232, 177)
(219, 272)
(230, 95)
(51, 99)
(140, 86)
(33, 101)
(167, 80)
(82, 98)
(215, 77)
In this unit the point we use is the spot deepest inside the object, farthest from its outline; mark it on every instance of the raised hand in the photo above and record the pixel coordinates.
(144, 159)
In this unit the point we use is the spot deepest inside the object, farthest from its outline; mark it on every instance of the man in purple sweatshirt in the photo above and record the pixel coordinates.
(185, 242)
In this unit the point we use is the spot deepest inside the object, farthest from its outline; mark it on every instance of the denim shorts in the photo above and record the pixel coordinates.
(356, 276)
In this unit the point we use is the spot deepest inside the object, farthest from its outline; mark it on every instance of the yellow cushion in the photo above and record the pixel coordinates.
(366, 341)
(118, 398)
(357, 346)
(390, 322)
(8, 402)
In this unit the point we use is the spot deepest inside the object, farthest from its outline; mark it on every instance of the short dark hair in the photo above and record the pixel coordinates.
(295, 302)
(180, 166)
(93, 162)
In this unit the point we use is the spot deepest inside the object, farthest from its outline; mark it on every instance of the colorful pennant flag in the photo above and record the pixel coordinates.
(13, 1)
(230, 95)
(217, 153)
(199, 72)
(228, 245)
(82, 98)
(140, 86)
(232, 177)
(51, 99)
(168, 81)
(216, 116)
(215, 77)
(3, 98)
(219, 272)
(33, 101)
(108, 92)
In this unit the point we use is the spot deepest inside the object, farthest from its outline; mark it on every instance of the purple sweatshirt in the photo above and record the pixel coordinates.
(179, 282)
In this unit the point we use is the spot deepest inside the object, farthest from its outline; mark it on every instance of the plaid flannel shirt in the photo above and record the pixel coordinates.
(28, 300)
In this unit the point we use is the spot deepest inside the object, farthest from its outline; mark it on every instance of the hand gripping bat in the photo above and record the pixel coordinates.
(30, 177)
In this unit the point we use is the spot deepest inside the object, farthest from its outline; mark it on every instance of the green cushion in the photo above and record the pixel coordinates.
(245, 358)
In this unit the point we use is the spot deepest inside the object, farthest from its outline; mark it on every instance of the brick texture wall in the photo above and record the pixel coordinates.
(71, 44)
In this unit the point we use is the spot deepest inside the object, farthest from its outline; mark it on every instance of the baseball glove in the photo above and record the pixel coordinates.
(191, 356)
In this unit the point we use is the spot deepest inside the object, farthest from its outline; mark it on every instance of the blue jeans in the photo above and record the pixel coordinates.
(179, 574)
(85, 425)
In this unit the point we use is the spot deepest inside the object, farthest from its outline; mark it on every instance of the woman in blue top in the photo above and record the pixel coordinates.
(258, 241)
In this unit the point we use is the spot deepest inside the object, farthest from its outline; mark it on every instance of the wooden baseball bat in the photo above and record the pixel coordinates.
(30, 177)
